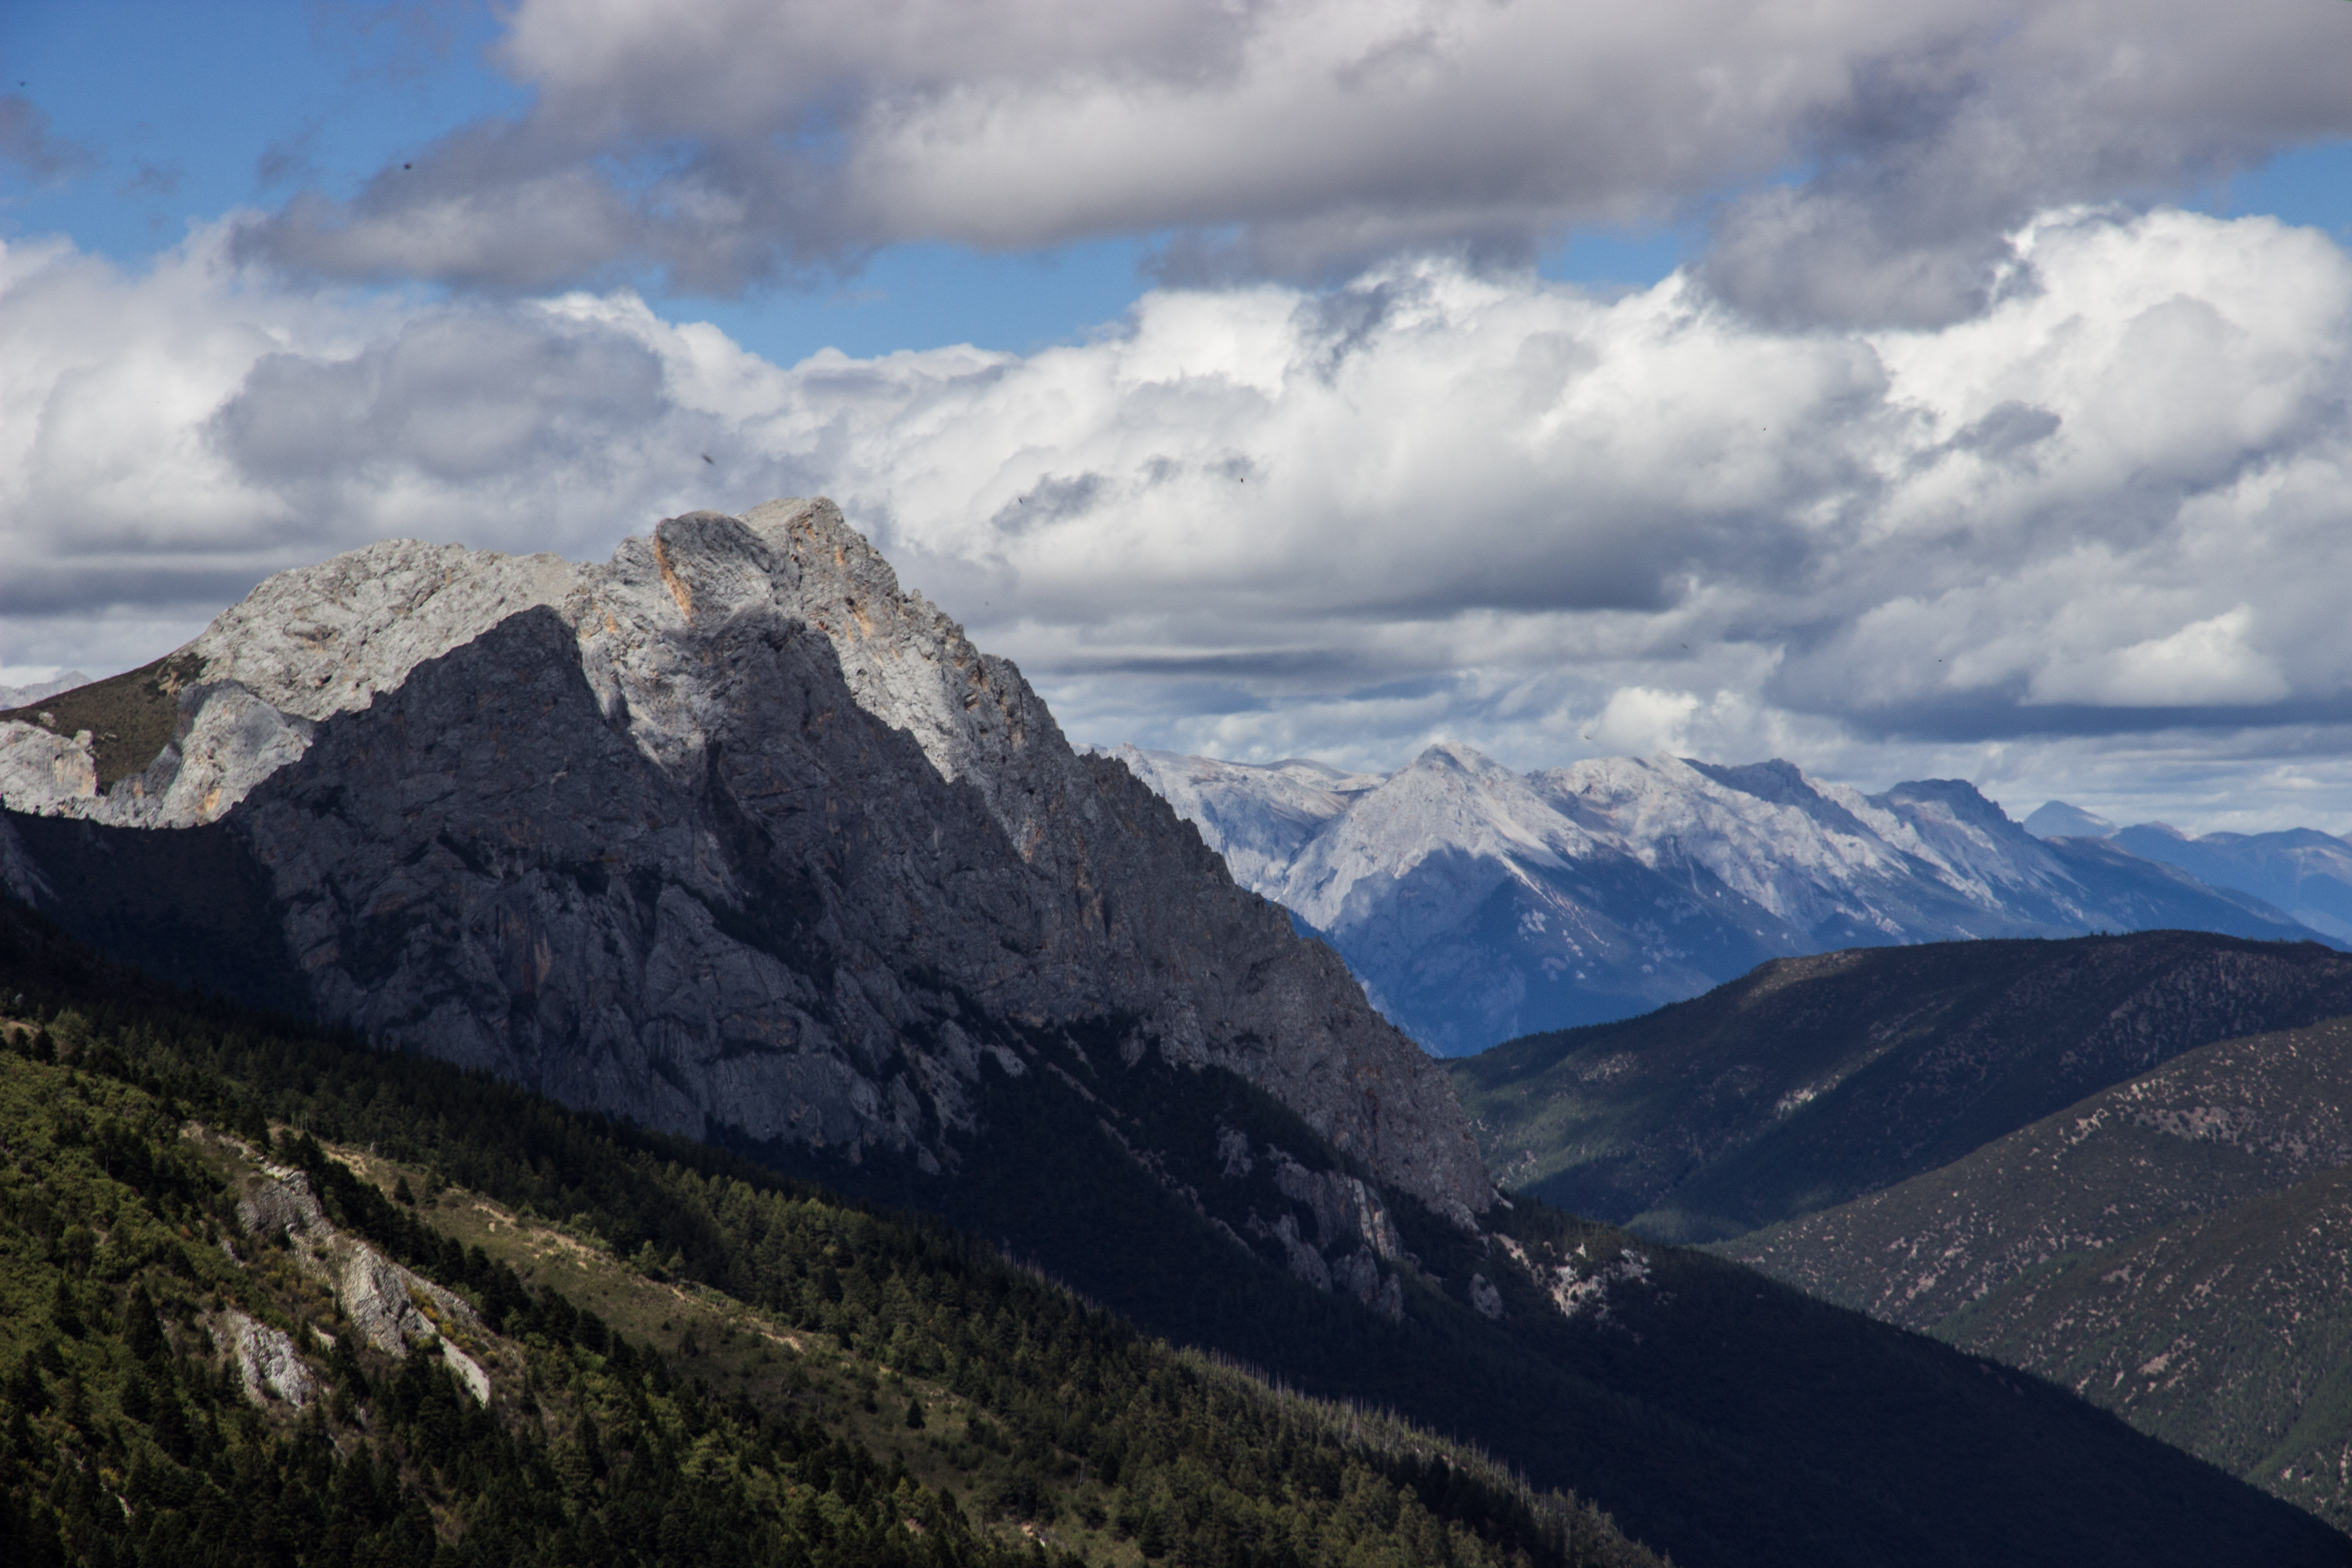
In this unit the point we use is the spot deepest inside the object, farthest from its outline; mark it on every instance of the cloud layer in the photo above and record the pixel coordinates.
(1263, 520)
(714, 144)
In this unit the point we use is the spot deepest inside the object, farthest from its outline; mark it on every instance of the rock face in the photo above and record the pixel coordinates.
(267, 1363)
(394, 1309)
(730, 835)
(1478, 904)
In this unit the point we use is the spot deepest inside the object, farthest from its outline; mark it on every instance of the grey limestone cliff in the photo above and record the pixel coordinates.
(732, 835)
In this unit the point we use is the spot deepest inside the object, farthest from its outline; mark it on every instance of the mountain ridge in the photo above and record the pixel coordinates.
(2247, 1116)
(730, 837)
(1476, 904)
(2171, 1247)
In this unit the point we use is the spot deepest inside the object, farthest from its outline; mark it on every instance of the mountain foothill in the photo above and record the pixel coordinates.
(2119, 1163)
(679, 1060)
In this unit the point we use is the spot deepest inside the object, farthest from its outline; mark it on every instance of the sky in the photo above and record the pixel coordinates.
(1955, 390)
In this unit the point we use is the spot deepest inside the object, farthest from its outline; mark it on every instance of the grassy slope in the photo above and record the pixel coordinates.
(1725, 1417)
(129, 716)
(2210, 1129)
(2228, 1333)
(1813, 1081)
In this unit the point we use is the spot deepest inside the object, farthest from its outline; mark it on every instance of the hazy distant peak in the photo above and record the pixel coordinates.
(2056, 819)
(17, 696)
(1455, 755)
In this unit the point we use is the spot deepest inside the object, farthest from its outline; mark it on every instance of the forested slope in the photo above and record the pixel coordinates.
(223, 1344)
(1716, 1412)
(2174, 1249)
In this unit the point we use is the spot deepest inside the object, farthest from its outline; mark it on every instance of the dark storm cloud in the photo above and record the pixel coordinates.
(1944, 146)
(43, 590)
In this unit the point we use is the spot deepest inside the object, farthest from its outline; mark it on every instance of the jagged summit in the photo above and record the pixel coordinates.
(731, 834)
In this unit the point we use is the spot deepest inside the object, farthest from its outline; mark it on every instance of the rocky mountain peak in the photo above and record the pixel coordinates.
(731, 834)
(321, 640)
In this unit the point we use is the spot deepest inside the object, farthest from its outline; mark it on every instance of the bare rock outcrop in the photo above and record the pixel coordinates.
(281, 1202)
(268, 1363)
(396, 1310)
(393, 1308)
(45, 771)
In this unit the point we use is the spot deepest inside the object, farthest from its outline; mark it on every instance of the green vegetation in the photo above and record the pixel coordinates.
(735, 1379)
(1725, 1417)
(1716, 1415)
(1813, 1081)
(2229, 1334)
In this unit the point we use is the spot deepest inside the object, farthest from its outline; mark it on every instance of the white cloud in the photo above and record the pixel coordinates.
(2205, 663)
(2089, 537)
(169, 438)
(723, 142)
(1642, 721)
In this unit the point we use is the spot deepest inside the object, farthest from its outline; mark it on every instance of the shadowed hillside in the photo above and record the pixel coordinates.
(1813, 1081)
(1712, 1411)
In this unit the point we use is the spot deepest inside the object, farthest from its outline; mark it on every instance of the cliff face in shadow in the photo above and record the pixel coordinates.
(730, 835)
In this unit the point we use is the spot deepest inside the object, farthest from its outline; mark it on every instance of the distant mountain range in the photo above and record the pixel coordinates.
(2304, 871)
(1476, 904)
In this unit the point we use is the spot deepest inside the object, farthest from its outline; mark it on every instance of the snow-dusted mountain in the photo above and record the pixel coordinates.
(1476, 903)
(1258, 818)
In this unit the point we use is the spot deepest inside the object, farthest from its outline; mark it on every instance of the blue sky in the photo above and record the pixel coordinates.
(1706, 378)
